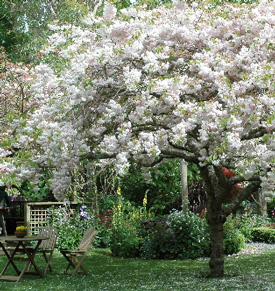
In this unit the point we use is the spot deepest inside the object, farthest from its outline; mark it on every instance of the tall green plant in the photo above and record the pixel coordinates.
(127, 232)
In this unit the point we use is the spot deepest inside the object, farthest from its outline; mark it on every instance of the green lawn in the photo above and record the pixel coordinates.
(250, 272)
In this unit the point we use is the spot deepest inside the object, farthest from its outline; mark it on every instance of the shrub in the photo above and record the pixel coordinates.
(125, 240)
(103, 234)
(248, 219)
(263, 234)
(191, 235)
(157, 243)
(234, 243)
(246, 225)
(234, 240)
(183, 236)
(127, 233)
(104, 219)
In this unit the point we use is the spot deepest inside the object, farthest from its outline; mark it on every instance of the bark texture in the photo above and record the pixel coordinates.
(217, 253)
(221, 202)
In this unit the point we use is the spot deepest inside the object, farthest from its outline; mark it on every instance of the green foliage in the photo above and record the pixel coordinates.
(181, 236)
(271, 208)
(215, 3)
(41, 192)
(104, 227)
(8, 36)
(120, 4)
(191, 233)
(69, 238)
(234, 240)
(151, 4)
(133, 185)
(125, 240)
(108, 202)
(103, 235)
(157, 242)
(245, 223)
(163, 189)
(127, 232)
(263, 234)
(104, 219)
(70, 224)
(23, 25)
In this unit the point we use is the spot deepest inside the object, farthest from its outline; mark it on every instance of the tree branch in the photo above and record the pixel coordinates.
(148, 164)
(244, 194)
(255, 133)
(94, 156)
(176, 153)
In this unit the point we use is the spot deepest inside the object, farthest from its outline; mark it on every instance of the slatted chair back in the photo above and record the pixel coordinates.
(87, 239)
(47, 246)
(81, 251)
(50, 232)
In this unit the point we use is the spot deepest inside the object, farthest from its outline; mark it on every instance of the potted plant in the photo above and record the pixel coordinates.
(20, 231)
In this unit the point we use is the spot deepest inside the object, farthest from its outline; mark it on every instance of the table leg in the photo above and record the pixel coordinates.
(31, 256)
(10, 259)
(30, 260)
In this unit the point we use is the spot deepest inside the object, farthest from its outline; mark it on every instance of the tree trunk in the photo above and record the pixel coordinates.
(215, 215)
(217, 256)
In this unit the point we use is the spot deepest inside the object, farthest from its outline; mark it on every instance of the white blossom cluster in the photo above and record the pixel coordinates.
(185, 81)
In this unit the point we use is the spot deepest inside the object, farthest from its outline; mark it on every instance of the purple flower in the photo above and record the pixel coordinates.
(82, 208)
(84, 213)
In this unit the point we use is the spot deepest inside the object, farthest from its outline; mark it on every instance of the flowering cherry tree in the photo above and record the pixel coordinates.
(187, 81)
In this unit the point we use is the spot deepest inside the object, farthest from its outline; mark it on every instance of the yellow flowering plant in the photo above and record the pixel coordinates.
(21, 228)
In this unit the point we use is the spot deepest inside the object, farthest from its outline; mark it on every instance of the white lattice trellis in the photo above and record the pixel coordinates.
(36, 214)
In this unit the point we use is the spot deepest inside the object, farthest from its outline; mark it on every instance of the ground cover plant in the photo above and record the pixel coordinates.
(249, 272)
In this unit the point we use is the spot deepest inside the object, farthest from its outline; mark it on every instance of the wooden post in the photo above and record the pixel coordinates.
(184, 185)
(27, 217)
(261, 204)
(3, 222)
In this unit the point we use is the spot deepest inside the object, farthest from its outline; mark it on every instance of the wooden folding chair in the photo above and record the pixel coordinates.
(47, 246)
(82, 250)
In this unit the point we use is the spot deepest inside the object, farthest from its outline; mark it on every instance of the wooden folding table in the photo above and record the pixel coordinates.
(21, 247)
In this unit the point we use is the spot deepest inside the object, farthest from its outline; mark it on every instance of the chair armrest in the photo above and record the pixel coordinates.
(66, 251)
(73, 251)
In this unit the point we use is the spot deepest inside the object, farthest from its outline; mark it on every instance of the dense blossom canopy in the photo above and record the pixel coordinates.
(187, 81)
